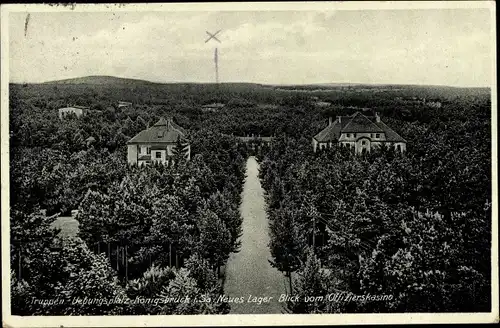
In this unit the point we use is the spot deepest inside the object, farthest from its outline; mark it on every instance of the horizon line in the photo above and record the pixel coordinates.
(265, 84)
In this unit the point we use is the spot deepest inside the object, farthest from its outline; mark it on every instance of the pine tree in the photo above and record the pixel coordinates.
(184, 290)
(179, 152)
(171, 229)
(69, 272)
(78, 273)
(148, 286)
(31, 239)
(128, 127)
(287, 242)
(141, 124)
(215, 243)
(423, 259)
(309, 283)
(95, 218)
(228, 212)
(199, 268)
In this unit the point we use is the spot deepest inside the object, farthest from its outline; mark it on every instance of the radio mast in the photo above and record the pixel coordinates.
(216, 55)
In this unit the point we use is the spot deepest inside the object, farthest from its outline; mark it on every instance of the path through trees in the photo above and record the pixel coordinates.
(249, 275)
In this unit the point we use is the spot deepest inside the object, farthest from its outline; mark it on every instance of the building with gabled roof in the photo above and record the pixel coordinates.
(78, 111)
(124, 104)
(157, 144)
(212, 107)
(359, 132)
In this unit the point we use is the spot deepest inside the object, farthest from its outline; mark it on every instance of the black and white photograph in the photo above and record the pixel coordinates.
(249, 163)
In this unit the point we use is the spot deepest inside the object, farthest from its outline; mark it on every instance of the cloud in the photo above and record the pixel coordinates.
(272, 47)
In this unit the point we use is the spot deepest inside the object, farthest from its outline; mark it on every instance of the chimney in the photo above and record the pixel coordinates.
(329, 121)
(377, 118)
(339, 118)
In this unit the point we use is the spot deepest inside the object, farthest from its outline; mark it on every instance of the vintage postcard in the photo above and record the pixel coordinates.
(226, 164)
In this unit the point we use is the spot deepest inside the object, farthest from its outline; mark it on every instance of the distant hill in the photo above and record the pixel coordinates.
(365, 85)
(101, 80)
(123, 89)
(120, 81)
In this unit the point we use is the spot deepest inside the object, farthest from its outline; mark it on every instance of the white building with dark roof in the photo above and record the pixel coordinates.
(124, 104)
(157, 144)
(359, 132)
(78, 111)
(212, 107)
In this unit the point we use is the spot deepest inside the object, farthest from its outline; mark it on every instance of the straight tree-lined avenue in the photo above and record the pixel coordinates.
(249, 273)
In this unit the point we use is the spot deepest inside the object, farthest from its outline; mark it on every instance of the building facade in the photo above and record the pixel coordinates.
(158, 144)
(122, 104)
(76, 110)
(212, 107)
(358, 132)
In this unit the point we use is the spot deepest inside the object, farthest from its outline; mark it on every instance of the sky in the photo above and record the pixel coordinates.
(425, 46)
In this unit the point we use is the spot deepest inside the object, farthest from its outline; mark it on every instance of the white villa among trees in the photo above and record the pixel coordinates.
(158, 144)
(359, 132)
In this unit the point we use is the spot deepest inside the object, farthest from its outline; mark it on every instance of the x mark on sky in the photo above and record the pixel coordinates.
(212, 36)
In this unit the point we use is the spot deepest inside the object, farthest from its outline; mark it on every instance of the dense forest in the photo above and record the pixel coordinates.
(143, 232)
(417, 226)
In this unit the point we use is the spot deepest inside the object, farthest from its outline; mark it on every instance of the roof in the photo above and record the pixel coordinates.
(164, 131)
(360, 123)
(331, 132)
(72, 108)
(214, 105)
(357, 123)
(124, 104)
(322, 103)
(390, 134)
(247, 139)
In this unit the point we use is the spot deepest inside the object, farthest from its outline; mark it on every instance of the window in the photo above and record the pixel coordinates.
(158, 154)
(348, 135)
(377, 135)
(363, 142)
(148, 150)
